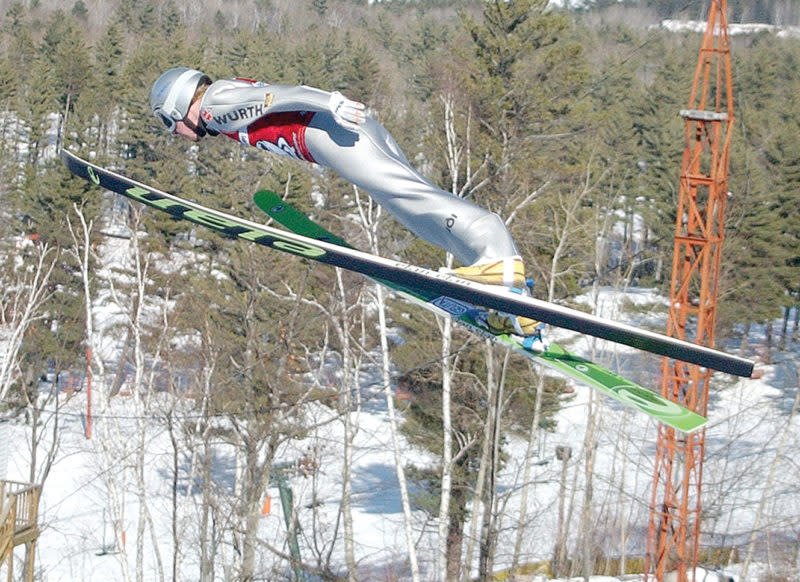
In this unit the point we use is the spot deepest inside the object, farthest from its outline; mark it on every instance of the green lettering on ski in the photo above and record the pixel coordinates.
(637, 396)
(151, 199)
(298, 248)
(647, 400)
(93, 177)
(225, 225)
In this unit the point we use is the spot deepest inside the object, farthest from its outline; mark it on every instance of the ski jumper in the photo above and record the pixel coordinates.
(296, 121)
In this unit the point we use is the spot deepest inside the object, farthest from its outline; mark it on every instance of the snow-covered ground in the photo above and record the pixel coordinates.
(747, 418)
(734, 29)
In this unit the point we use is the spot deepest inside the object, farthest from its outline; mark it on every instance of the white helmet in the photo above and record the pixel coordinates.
(172, 94)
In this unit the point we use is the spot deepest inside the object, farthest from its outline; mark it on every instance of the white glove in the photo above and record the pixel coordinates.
(347, 113)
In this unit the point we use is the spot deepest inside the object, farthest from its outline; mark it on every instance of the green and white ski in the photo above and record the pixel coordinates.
(421, 280)
(464, 314)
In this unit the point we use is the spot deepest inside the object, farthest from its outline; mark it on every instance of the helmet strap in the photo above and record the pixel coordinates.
(199, 129)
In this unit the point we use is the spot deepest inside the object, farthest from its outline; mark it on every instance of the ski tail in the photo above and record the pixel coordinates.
(288, 216)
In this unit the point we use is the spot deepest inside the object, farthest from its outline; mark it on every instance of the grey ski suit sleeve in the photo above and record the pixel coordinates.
(237, 103)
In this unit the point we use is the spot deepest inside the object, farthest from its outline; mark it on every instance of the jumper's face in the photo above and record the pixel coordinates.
(184, 129)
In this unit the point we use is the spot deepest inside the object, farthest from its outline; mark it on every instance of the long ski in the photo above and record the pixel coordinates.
(404, 274)
(554, 357)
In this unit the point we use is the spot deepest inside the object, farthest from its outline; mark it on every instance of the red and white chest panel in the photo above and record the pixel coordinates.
(280, 133)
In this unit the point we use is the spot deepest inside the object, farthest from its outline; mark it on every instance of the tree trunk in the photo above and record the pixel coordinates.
(349, 383)
(371, 221)
(587, 527)
(396, 447)
(766, 493)
(477, 501)
(488, 527)
(768, 342)
(563, 454)
(455, 537)
(448, 564)
(533, 433)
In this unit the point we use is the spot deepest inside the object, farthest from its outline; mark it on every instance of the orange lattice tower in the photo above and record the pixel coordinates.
(675, 511)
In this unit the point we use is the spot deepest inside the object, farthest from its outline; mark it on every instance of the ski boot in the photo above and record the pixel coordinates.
(508, 272)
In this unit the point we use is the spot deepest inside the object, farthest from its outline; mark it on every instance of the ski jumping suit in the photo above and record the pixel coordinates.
(296, 121)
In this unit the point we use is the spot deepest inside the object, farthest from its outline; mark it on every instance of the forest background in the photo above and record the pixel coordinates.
(563, 120)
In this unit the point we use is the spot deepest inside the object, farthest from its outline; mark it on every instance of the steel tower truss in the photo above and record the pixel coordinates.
(675, 510)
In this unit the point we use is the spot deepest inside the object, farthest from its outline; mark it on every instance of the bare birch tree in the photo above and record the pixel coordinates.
(371, 220)
(142, 309)
(24, 289)
(766, 492)
(464, 180)
(348, 414)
